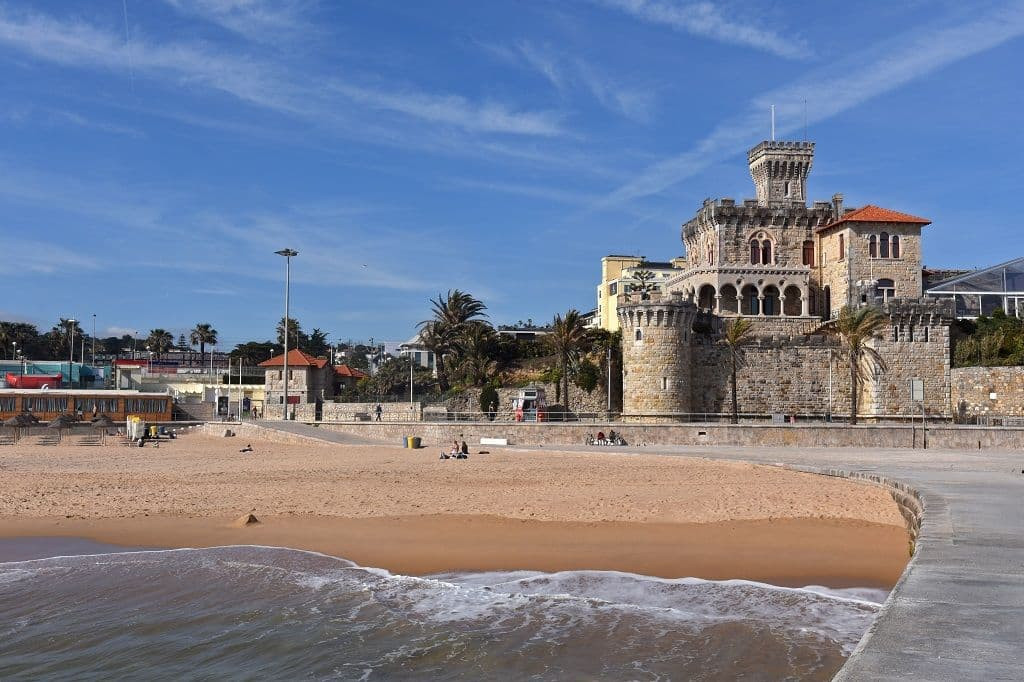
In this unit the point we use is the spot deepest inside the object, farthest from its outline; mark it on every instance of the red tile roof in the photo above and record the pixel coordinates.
(296, 358)
(876, 214)
(346, 371)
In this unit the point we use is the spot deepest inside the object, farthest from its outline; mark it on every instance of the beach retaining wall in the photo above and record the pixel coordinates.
(946, 436)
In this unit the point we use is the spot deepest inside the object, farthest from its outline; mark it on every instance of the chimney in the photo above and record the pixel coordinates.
(837, 206)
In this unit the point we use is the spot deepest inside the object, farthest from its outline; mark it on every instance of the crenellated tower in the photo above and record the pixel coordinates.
(656, 336)
(780, 171)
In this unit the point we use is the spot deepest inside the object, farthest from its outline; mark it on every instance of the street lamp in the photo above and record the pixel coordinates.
(288, 254)
(94, 339)
(14, 353)
(71, 351)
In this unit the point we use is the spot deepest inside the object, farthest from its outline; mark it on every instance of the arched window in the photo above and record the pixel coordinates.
(788, 194)
(873, 246)
(895, 246)
(793, 305)
(639, 335)
(766, 252)
(727, 302)
(751, 304)
(706, 297)
(842, 248)
(808, 258)
(883, 246)
(755, 252)
(771, 301)
(711, 255)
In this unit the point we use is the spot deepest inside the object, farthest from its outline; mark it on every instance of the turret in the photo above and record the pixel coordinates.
(655, 354)
(780, 171)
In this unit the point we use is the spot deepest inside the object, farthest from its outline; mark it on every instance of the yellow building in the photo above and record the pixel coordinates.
(618, 275)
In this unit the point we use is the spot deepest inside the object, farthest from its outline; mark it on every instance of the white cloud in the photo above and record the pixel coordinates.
(257, 20)
(832, 90)
(567, 73)
(81, 45)
(704, 19)
(44, 257)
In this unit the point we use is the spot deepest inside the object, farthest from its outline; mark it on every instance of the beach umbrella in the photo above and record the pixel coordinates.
(59, 422)
(20, 421)
(102, 422)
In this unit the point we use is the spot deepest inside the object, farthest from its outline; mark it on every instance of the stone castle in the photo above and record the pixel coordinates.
(789, 267)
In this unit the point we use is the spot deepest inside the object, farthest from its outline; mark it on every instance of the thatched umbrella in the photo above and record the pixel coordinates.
(102, 422)
(20, 421)
(63, 421)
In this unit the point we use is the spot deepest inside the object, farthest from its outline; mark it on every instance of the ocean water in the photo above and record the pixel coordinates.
(250, 612)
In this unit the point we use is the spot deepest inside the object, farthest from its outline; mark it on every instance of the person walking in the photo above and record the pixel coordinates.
(378, 410)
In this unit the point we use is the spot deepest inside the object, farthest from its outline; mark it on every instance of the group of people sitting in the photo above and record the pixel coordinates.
(611, 439)
(458, 451)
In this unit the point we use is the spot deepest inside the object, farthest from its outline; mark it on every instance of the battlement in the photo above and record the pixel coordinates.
(779, 146)
(751, 214)
(657, 310)
(937, 311)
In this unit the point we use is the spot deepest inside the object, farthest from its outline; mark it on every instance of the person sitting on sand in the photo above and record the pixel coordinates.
(247, 448)
(600, 437)
(464, 449)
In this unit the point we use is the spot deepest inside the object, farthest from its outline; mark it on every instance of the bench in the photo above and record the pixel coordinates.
(494, 441)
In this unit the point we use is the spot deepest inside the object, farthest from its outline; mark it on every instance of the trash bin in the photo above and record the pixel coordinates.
(405, 441)
(153, 431)
(414, 442)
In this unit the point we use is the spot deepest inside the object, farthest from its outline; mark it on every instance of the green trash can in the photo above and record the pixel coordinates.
(414, 442)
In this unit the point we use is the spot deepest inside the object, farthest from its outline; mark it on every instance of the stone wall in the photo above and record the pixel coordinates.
(391, 412)
(988, 391)
(909, 355)
(580, 402)
(787, 376)
(941, 436)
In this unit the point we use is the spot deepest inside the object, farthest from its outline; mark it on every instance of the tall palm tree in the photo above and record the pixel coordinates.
(62, 335)
(476, 353)
(159, 341)
(568, 340)
(203, 334)
(441, 334)
(857, 328)
(738, 333)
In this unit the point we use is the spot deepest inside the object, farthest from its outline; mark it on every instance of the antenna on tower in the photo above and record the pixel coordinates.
(773, 123)
(805, 120)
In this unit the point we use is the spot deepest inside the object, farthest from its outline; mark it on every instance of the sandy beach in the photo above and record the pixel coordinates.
(409, 512)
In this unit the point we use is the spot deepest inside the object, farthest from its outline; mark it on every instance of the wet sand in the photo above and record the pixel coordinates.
(412, 513)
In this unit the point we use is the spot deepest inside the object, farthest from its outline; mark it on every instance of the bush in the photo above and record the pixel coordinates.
(587, 375)
(488, 398)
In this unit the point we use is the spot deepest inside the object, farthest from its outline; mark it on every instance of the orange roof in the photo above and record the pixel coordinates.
(346, 371)
(296, 358)
(876, 214)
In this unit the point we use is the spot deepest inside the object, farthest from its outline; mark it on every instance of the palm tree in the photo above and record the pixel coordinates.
(568, 340)
(442, 333)
(857, 328)
(738, 333)
(296, 337)
(62, 335)
(476, 353)
(203, 334)
(159, 341)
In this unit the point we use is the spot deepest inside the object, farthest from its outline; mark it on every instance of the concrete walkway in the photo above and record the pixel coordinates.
(958, 611)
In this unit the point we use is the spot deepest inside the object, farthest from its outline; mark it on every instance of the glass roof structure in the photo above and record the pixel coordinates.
(983, 291)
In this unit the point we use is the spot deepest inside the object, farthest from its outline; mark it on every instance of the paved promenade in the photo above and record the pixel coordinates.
(958, 611)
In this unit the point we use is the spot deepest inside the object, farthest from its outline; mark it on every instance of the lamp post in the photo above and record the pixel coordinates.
(288, 254)
(94, 339)
(14, 353)
(71, 352)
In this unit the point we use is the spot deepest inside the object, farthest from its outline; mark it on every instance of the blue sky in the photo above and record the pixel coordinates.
(155, 154)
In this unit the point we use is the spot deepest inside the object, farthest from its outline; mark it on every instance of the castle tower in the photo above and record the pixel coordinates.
(655, 355)
(780, 171)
